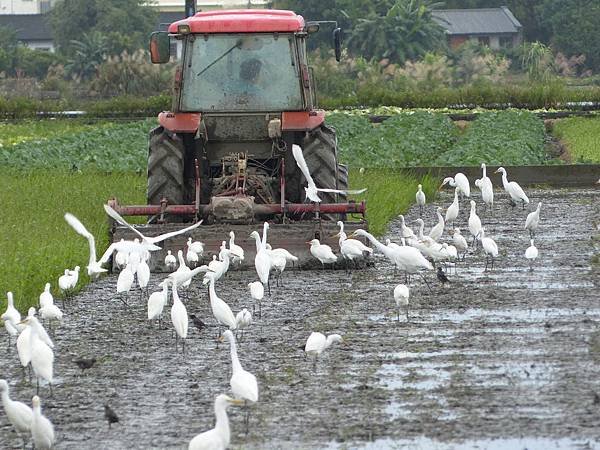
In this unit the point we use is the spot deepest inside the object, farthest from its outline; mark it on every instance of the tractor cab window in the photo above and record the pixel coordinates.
(250, 72)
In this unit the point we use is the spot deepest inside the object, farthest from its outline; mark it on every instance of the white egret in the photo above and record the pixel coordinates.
(408, 259)
(143, 274)
(278, 263)
(438, 229)
(243, 320)
(220, 267)
(236, 250)
(170, 261)
(11, 329)
(192, 257)
(121, 258)
(196, 246)
(407, 233)
(179, 318)
(148, 240)
(355, 242)
(459, 181)
(183, 278)
(401, 296)
(474, 223)
(243, 384)
(130, 248)
(257, 292)
(220, 309)
(513, 189)
(531, 254)
(42, 430)
(11, 312)
(42, 356)
(312, 189)
(94, 268)
(19, 414)
(219, 437)
(322, 252)
(181, 270)
(533, 220)
(157, 302)
(46, 298)
(262, 260)
(452, 211)
(51, 312)
(125, 280)
(74, 276)
(460, 242)
(420, 197)
(489, 247)
(487, 189)
(317, 343)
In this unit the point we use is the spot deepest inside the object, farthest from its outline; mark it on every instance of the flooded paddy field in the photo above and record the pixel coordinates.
(508, 358)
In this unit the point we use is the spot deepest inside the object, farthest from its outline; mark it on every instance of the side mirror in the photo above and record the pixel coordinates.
(160, 47)
(337, 42)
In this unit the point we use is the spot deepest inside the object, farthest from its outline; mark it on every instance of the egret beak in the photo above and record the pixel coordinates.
(307, 242)
(497, 171)
(236, 254)
(236, 401)
(336, 235)
(221, 338)
(24, 321)
(353, 235)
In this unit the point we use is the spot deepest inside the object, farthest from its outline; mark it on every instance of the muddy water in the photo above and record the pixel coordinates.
(502, 359)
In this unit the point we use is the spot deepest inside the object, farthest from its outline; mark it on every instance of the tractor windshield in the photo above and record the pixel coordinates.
(242, 72)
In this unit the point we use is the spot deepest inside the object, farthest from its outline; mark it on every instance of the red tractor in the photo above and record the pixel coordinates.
(243, 95)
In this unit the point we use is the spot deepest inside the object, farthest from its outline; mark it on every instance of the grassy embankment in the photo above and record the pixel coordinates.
(581, 136)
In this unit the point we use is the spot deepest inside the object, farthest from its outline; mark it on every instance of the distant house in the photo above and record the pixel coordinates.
(32, 30)
(495, 27)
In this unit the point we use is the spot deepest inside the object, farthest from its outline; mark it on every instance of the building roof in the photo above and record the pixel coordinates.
(169, 18)
(477, 21)
(243, 21)
(29, 27)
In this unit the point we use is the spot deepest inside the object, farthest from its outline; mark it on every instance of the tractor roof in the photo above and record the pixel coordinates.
(242, 21)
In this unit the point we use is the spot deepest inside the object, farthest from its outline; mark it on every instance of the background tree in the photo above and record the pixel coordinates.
(127, 23)
(406, 31)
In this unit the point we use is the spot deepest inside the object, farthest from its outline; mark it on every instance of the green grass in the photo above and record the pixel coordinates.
(582, 137)
(27, 130)
(36, 244)
(390, 192)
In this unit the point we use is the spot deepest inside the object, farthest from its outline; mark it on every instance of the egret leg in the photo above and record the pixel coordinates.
(426, 282)
(486, 263)
(407, 307)
(398, 314)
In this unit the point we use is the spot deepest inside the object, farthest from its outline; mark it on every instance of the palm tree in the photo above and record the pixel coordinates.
(88, 54)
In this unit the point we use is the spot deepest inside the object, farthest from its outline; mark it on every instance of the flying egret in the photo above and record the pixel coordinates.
(513, 189)
(317, 343)
(170, 261)
(438, 229)
(401, 295)
(46, 298)
(452, 211)
(243, 320)
(420, 197)
(149, 240)
(94, 268)
(19, 414)
(533, 220)
(489, 247)
(460, 242)
(312, 189)
(42, 430)
(236, 250)
(322, 252)
(531, 254)
(135, 248)
(257, 292)
(459, 181)
(179, 318)
(220, 309)
(219, 437)
(157, 302)
(474, 222)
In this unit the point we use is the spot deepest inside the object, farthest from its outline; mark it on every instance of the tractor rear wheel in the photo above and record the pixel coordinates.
(166, 154)
(320, 152)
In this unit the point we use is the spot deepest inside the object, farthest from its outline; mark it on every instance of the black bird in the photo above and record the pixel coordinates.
(85, 363)
(110, 415)
(197, 322)
(442, 276)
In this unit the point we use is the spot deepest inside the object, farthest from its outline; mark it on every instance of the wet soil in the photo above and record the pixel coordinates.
(508, 358)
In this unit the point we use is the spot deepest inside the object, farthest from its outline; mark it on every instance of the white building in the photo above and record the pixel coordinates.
(25, 6)
(205, 5)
